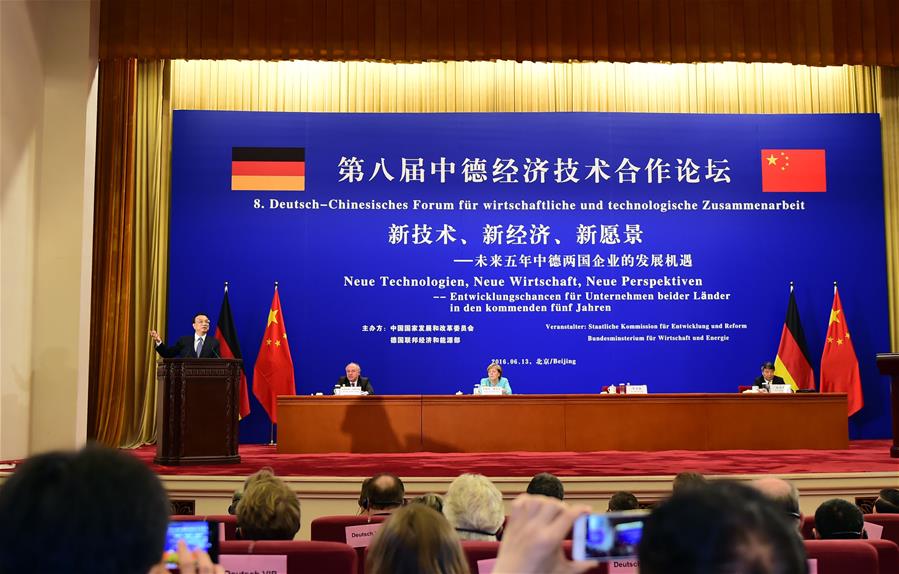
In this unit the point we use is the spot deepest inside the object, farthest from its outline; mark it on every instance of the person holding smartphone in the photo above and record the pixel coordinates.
(495, 378)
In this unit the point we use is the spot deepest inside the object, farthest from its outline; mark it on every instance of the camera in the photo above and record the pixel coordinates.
(608, 536)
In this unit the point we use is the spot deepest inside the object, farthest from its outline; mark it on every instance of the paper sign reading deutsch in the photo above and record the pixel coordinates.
(361, 536)
(624, 566)
(253, 563)
(875, 531)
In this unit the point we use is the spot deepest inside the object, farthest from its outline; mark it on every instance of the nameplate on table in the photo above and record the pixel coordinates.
(360, 536)
(624, 565)
(636, 390)
(254, 563)
(486, 566)
(491, 391)
(348, 391)
(874, 531)
(781, 389)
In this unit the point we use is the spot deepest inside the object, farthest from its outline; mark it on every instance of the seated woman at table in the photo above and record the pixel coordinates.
(495, 378)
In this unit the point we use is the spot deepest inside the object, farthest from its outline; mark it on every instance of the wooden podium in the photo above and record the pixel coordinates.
(888, 363)
(197, 411)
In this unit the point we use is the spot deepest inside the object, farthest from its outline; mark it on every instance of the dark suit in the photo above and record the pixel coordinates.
(775, 381)
(360, 382)
(184, 348)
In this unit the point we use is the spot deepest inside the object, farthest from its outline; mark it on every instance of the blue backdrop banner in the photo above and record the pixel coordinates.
(577, 250)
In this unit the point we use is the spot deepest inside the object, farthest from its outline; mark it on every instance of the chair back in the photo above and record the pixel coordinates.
(890, 523)
(887, 555)
(303, 557)
(600, 568)
(478, 550)
(842, 556)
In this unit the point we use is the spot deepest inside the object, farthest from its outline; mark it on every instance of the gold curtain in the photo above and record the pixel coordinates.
(110, 379)
(501, 86)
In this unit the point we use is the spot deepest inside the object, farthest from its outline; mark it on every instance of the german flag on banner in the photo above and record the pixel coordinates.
(268, 169)
(792, 362)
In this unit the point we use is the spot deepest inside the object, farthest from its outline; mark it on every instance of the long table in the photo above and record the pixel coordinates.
(548, 423)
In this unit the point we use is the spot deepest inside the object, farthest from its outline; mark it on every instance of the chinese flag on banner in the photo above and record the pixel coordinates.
(273, 373)
(839, 366)
(793, 170)
(227, 338)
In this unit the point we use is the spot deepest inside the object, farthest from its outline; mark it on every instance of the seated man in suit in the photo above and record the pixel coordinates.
(768, 378)
(198, 345)
(353, 379)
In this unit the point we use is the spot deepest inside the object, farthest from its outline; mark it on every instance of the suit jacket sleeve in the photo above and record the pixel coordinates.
(366, 386)
(176, 350)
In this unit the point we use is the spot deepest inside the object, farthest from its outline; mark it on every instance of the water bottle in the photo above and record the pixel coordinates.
(477, 389)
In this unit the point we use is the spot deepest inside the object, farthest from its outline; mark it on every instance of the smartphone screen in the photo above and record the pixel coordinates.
(607, 536)
(197, 534)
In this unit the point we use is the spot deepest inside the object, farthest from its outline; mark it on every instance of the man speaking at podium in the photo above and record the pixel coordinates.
(196, 346)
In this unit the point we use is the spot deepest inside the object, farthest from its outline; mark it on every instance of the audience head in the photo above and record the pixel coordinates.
(623, 501)
(382, 493)
(474, 507)
(722, 527)
(784, 494)
(268, 509)
(688, 480)
(837, 519)
(416, 539)
(431, 500)
(887, 502)
(547, 485)
(95, 510)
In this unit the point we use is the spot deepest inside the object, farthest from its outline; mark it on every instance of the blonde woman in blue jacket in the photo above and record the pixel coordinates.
(495, 378)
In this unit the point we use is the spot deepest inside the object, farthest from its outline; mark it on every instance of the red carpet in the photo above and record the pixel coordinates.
(861, 456)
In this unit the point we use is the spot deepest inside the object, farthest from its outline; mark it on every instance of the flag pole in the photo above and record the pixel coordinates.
(226, 287)
(834, 287)
(271, 431)
(791, 286)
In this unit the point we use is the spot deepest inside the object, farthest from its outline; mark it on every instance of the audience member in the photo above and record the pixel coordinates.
(416, 539)
(688, 480)
(430, 500)
(268, 509)
(887, 502)
(95, 510)
(547, 485)
(381, 494)
(474, 506)
(837, 519)
(784, 494)
(532, 541)
(723, 528)
(623, 501)
(235, 498)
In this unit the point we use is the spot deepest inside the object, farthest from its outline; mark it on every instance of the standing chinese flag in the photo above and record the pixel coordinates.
(839, 366)
(273, 373)
(227, 338)
(792, 361)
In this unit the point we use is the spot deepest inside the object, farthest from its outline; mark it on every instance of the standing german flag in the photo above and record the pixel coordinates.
(839, 365)
(792, 361)
(227, 338)
(268, 169)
